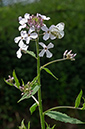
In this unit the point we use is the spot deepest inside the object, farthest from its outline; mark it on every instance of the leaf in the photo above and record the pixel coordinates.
(16, 79)
(63, 117)
(83, 108)
(48, 71)
(78, 99)
(8, 83)
(33, 107)
(22, 125)
(29, 125)
(31, 53)
(27, 96)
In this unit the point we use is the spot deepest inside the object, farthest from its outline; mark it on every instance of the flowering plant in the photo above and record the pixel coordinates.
(30, 30)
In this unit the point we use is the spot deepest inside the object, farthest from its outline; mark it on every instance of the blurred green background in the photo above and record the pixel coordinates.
(71, 74)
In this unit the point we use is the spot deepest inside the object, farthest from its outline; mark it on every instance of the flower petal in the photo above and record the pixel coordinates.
(42, 44)
(34, 35)
(48, 54)
(27, 16)
(42, 53)
(19, 54)
(50, 45)
(46, 36)
(60, 34)
(52, 37)
(21, 27)
(44, 28)
(21, 43)
(60, 26)
(17, 39)
(28, 40)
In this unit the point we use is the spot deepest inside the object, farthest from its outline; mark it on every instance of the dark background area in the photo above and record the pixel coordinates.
(71, 74)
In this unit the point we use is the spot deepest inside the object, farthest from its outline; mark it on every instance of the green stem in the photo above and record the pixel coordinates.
(53, 62)
(58, 107)
(39, 91)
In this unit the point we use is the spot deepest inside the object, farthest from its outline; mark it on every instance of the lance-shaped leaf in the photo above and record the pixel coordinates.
(33, 107)
(27, 95)
(29, 125)
(48, 126)
(31, 53)
(16, 79)
(48, 71)
(22, 125)
(78, 99)
(63, 117)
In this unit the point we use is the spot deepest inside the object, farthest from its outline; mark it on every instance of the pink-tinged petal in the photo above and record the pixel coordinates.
(52, 37)
(34, 35)
(60, 26)
(42, 44)
(46, 36)
(42, 53)
(28, 40)
(44, 28)
(19, 54)
(48, 54)
(50, 45)
(17, 39)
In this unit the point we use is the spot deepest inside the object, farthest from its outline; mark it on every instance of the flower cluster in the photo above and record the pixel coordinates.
(32, 25)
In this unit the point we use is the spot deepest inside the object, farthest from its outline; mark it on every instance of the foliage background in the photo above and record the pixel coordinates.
(71, 74)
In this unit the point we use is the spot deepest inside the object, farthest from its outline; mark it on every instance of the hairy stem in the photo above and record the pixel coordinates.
(39, 91)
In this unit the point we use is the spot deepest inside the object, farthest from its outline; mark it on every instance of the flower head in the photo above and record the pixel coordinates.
(48, 33)
(69, 55)
(45, 50)
(57, 30)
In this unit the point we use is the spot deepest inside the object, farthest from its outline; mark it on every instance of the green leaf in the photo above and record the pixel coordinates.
(48, 71)
(33, 107)
(31, 53)
(78, 99)
(16, 79)
(83, 108)
(63, 117)
(29, 125)
(22, 125)
(27, 96)
(8, 83)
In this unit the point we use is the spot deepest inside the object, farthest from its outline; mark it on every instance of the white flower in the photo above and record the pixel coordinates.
(21, 38)
(31, 35)
(43, 16)
(45, 50)
(48, 33)
(69, 55)
(58, 30)
(23, 47)
(23, 21)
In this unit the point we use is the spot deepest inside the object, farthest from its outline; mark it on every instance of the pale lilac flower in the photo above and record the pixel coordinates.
(69, 55)
(58, 30)
(21, 38)
(45, 50)
(23, 21)
(23, 47)
(31, 35)
(48, 33)
(43, 16)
